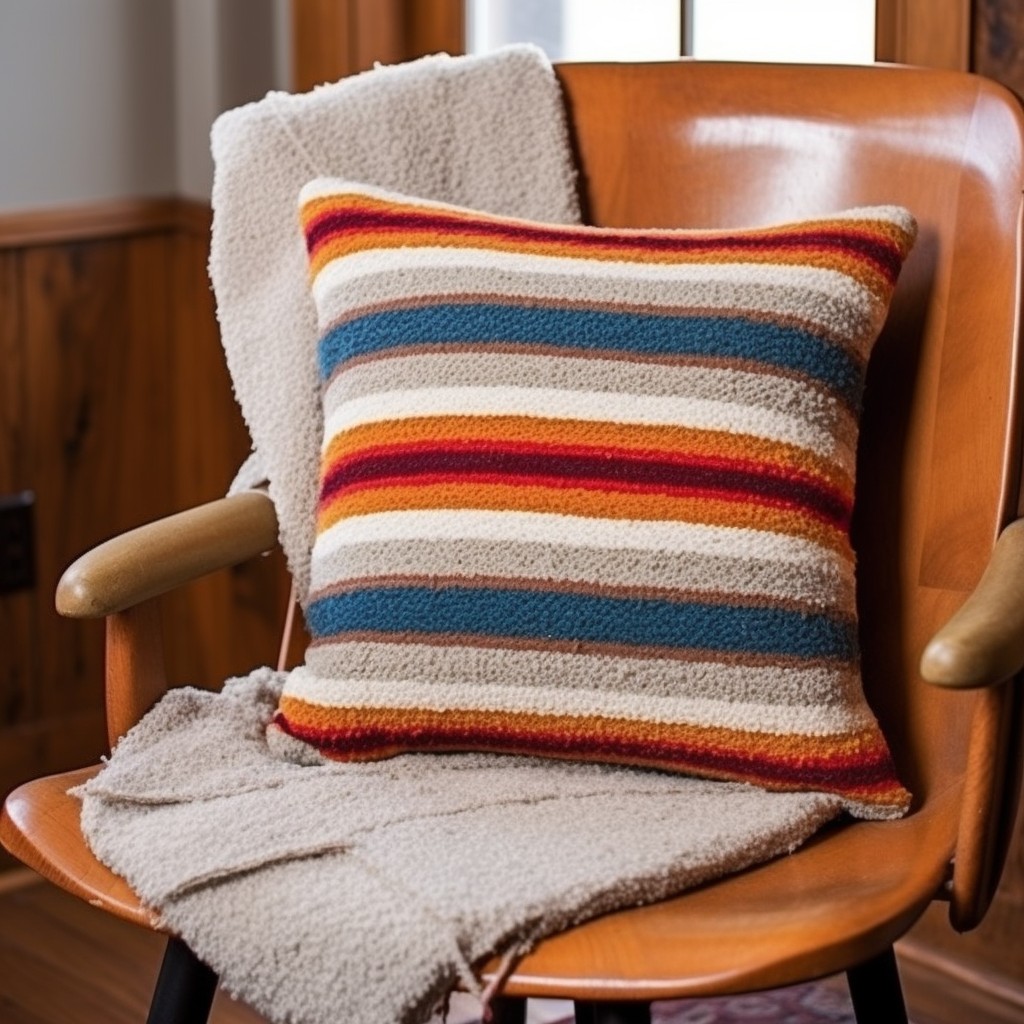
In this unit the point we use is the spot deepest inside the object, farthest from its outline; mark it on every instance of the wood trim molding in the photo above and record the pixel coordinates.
(108, 219)
(929, 33)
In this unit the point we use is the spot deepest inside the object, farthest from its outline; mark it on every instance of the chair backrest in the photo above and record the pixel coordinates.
(718, 145)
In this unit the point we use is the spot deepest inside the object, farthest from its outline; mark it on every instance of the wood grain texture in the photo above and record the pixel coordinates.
(435, 26)
(232, 620)
(157, 557)
(116, 409)
(841, 898)
(928, 33)
(80, 951)
(62, 960)
(998, 42)
(335, 38)
(34, 747)
(18, 612)
(96, 330)
(321, 42)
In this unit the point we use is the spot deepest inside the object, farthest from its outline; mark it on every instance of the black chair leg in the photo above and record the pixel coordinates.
(508, 1010)
(876, 992)
(185, 988)
(612, 1013)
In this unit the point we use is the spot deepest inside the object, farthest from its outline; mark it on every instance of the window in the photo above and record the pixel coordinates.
(820, 31)
(795, 31)
(578, 29)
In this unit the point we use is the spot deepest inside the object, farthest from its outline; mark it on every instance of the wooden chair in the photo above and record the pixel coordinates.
(938, 482)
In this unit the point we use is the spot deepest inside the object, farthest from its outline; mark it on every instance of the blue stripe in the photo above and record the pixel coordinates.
(563, 616)
(596, 330)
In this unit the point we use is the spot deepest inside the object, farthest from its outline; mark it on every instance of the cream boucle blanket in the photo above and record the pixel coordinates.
(485, 132)
(364, 892)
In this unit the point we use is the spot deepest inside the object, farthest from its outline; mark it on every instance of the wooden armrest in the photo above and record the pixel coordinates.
(148, 561)
(983, 644)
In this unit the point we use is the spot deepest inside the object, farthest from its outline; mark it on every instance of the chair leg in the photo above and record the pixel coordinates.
(508, 1010)
(612, 1013)
(876, 992)
(185, 988)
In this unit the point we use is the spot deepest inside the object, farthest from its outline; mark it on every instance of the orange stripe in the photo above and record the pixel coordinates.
(586, 242)
(588, 436)
(578, 501)
(846, 750)
(810, 256)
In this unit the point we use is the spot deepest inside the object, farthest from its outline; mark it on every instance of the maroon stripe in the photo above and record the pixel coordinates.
(878, 250)
(459, 463)
(839, 774)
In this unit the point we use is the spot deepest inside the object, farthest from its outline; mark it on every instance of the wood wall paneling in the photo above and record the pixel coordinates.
(116, 408)
(247, 603)
(436, 26)
(335, 38)
(17, 609)
(95, 332)
(931, 33)
(320, 42)
(998, 45)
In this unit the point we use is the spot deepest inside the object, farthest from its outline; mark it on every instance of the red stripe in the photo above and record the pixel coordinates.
(853, 241)
(523, 465)
(870, 774)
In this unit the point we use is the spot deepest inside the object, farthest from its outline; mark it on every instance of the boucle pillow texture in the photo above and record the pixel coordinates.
(586, 492)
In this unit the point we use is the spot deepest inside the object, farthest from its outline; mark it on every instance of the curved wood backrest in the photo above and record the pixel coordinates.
(715, 145)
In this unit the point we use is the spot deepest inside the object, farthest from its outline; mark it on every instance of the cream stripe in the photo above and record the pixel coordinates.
(595, 407)
(497, 666)
(501, 369)
(572, 278)
(552, 528)
(794, 398)
(826, 584)
(561, 701)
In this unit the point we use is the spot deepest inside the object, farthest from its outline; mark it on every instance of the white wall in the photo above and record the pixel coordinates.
(227, 52)
(104, 99)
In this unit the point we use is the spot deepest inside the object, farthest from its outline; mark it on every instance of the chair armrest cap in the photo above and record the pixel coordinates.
(983, 643)
(162, 555)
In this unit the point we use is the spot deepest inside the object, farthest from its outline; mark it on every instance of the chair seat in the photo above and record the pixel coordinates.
(41, 826)
(845, 896)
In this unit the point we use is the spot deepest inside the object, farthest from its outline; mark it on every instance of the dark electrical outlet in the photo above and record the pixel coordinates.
(17, 550)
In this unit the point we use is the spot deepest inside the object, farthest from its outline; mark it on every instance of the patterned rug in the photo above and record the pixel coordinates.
(817, 1003)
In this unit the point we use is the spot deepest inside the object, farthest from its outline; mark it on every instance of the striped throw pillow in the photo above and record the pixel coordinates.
(586, 492)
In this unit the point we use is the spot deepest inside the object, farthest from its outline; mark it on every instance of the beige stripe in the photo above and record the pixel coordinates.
(661, 677)
(497, 369)
(516, 693)
(668, 537)
(830, 300)
(826, 583)
(554, 404)
(750, 659)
